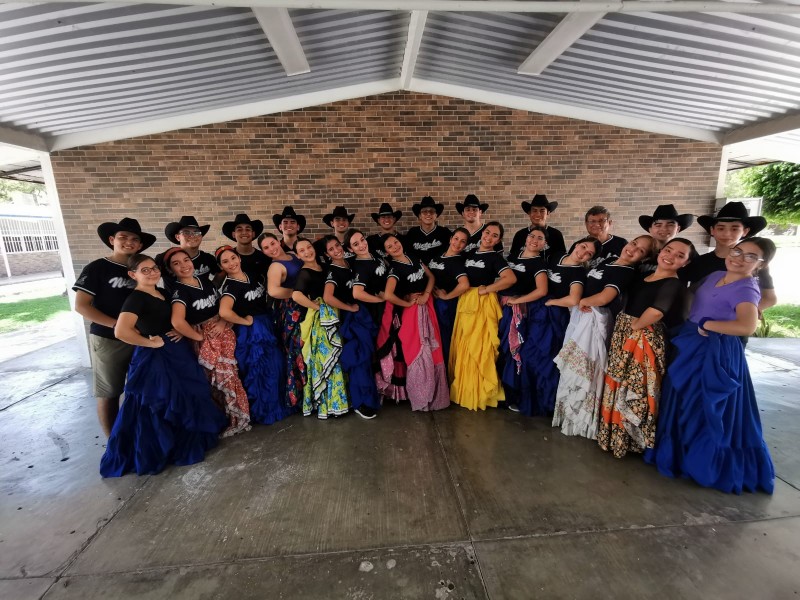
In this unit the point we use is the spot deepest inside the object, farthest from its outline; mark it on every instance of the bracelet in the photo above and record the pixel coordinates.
(702, 323)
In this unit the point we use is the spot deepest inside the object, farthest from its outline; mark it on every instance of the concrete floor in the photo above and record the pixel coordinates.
(452, 505)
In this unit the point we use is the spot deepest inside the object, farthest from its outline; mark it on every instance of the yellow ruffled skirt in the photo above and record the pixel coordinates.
(474, 382)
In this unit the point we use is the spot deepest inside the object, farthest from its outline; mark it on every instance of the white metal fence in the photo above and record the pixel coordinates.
(25, 234)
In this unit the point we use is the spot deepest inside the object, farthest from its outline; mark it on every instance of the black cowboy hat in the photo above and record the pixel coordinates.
(186, 221)
(107, 230)
(241, 219)
(666, 212)
(733, 211)
(427, 202)
(471, 200)
(339, 211)
(384, 210)
(539, 200)
(288, 213)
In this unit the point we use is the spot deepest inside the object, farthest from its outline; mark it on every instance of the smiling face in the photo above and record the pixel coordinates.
(674, 255)
(243, 234)
(189, 238)
(147, 273)
(539, 215)
(490, 237)
(598, 226)
(458, 241)
(230, 262)
(271, 247)
(386, 222)
(393, 247)
(427, 217)
(125, 242)
(334, 250)
(535, 242)
(728, 233)
(583, 252)
(181, 265)
(663, 231)
(472, 215)
(359, 245)
(305, 251)
(340, 225)
(635, 250)
(289, 227)
(750, 258)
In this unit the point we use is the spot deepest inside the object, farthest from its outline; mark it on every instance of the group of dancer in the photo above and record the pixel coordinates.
(594, 337)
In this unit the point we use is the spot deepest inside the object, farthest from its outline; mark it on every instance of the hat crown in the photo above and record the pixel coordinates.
(188, 221)
(471, 200)
(340, 211)
(539, 200)
(665, 212)
(385, 209)
(733, 211)
(129, 224)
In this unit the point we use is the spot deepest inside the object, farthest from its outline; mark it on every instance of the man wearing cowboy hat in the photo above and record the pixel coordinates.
(188, 234)
(428, 240)
(539, 209)
(290, 225)
(100, 291)
(386, 218)
(472, 211)
(339, 220)
(662, 227)
(243, 231)
(730, 225)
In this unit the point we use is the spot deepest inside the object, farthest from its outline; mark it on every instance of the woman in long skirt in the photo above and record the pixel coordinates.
(195, 308)
(168, 416)
(636, 358)
(521, 303)
(281, 277)
(409, 301)
(357, 330)
(450, 275)
(582, 359)
(262, 366)
(546, 326)
(709, 429)
(474, 382)
(325, 391)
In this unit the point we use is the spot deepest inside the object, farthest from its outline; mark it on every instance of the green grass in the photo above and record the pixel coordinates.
(20, 314)
(791, 218)
(783, 321)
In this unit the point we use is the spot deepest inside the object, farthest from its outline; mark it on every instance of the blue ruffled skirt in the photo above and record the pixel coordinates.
(168, 416)
(359, 332)
(708, 428)
(262, 367)
(446, 316)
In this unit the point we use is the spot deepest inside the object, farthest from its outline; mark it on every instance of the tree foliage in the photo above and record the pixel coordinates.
(778, 184)
(9, 186)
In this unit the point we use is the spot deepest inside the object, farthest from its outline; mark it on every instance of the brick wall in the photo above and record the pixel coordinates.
(394, 147)
(27, 263)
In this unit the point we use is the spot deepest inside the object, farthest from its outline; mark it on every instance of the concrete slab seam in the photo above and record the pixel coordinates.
(47, 387)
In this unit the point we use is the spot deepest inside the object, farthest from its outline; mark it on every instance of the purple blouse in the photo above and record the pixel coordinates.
(719, 303)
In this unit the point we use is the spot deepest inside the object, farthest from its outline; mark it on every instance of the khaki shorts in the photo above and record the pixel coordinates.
(110, 360)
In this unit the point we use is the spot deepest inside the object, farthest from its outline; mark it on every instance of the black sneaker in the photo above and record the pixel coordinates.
(365, 412)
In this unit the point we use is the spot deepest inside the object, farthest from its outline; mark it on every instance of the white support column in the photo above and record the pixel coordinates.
(416, 27)
(66, 255)
(5, 255)
(279, 29)
(566, 33)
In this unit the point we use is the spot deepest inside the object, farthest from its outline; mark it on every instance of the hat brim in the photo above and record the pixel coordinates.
(550, 206)
(107, 230)
(229, 226)
(301, 221)
(396, 214)
(172, 229)
(683, 221)
(417, 209)
(460, 207)
(753, 224)
(328, 219)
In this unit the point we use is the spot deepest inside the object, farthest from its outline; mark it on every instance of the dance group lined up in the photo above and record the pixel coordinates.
(594, 337)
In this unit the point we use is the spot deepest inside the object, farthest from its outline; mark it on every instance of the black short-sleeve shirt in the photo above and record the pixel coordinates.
(342, 279)
(411, 277)
(369, 273)
(205, 267)
(554, 243)
(608, 274)
(201, 300)
(255, 264)
(483, 268)
(249, 297)
(310, 283)
(375, 244)
(561, 278)
(526, 269)
(154, 315)
(109, 285)
(665, 295)
(427, 246)
(447, 270)
(474, 242)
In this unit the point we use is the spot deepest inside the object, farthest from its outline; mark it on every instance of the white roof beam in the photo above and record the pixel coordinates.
(762, 129)
(510, 6)
(563, 110)
(766, 149)
(23, 139)
(416, 26)
(278, 27)
(567, 32)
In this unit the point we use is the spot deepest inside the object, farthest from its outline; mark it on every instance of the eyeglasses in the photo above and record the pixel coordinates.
(428, 211)
(599, 222)
(748, 257)
(148, 270)
(191, 233)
